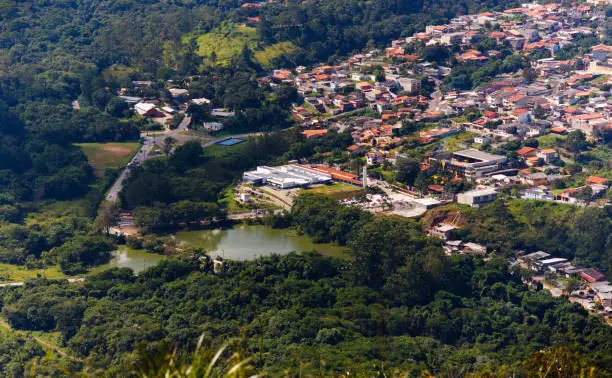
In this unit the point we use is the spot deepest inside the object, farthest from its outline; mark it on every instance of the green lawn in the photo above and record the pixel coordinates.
(108, 155)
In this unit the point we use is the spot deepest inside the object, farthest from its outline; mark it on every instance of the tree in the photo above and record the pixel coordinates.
(379, 74)
(186, 156)
(584, 194)
(570, 285)
(117, 107)
(168, 144)
(422, 182)
(108, 216)
(406, 170)
(539, 112)
(576, 142)
(529, 75)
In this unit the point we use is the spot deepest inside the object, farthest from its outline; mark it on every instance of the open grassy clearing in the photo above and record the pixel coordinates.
(118, 71)
(337, 190)
(228, 40)
(550, 140)
(53, 212)
(457, 141)
(18, 273)
(108, 155)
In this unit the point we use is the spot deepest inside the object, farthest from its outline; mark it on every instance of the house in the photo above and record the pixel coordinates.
(535, 179)
(245, 197)
(594, 180)
(450, 39)
(313, 133)
(484, 140)
(200, 101)
(537, 193)
(558, 130)
(591, 275)
(409, 85)
(222, 113)
(526, 152)
(142, 83)
(477, 197)
(178, 93)
(146, 109)
(474, 248)
(548, 154)
(442, 231)
(213, 126)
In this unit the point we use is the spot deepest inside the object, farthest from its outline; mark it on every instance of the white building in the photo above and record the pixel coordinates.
(477, 197)
(409, 85)
(286, 176)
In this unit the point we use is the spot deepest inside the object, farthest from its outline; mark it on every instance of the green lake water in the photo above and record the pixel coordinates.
(137, 260)
(245, 242)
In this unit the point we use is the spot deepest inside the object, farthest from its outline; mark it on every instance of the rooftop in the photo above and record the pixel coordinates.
(472, 153)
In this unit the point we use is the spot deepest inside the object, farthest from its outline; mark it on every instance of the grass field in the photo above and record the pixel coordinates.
(108, 155)
(17, 273)
(337, 190)
(228, 39)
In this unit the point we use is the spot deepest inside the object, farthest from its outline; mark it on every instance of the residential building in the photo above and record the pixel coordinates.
(477, 197)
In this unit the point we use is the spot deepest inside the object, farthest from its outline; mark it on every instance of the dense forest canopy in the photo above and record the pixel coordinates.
(398, 302)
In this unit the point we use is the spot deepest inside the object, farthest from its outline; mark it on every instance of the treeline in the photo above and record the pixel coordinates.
(398, 304)
(159, 218)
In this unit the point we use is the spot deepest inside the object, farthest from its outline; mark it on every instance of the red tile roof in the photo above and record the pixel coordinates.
(525, 150)
(596, 180)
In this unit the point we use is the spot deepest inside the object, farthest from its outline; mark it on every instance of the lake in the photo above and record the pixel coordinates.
(125, 257)
(248, 242)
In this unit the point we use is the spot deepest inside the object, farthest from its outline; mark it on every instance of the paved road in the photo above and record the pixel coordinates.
(138, 159)
(184, 123)
(150, 141)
